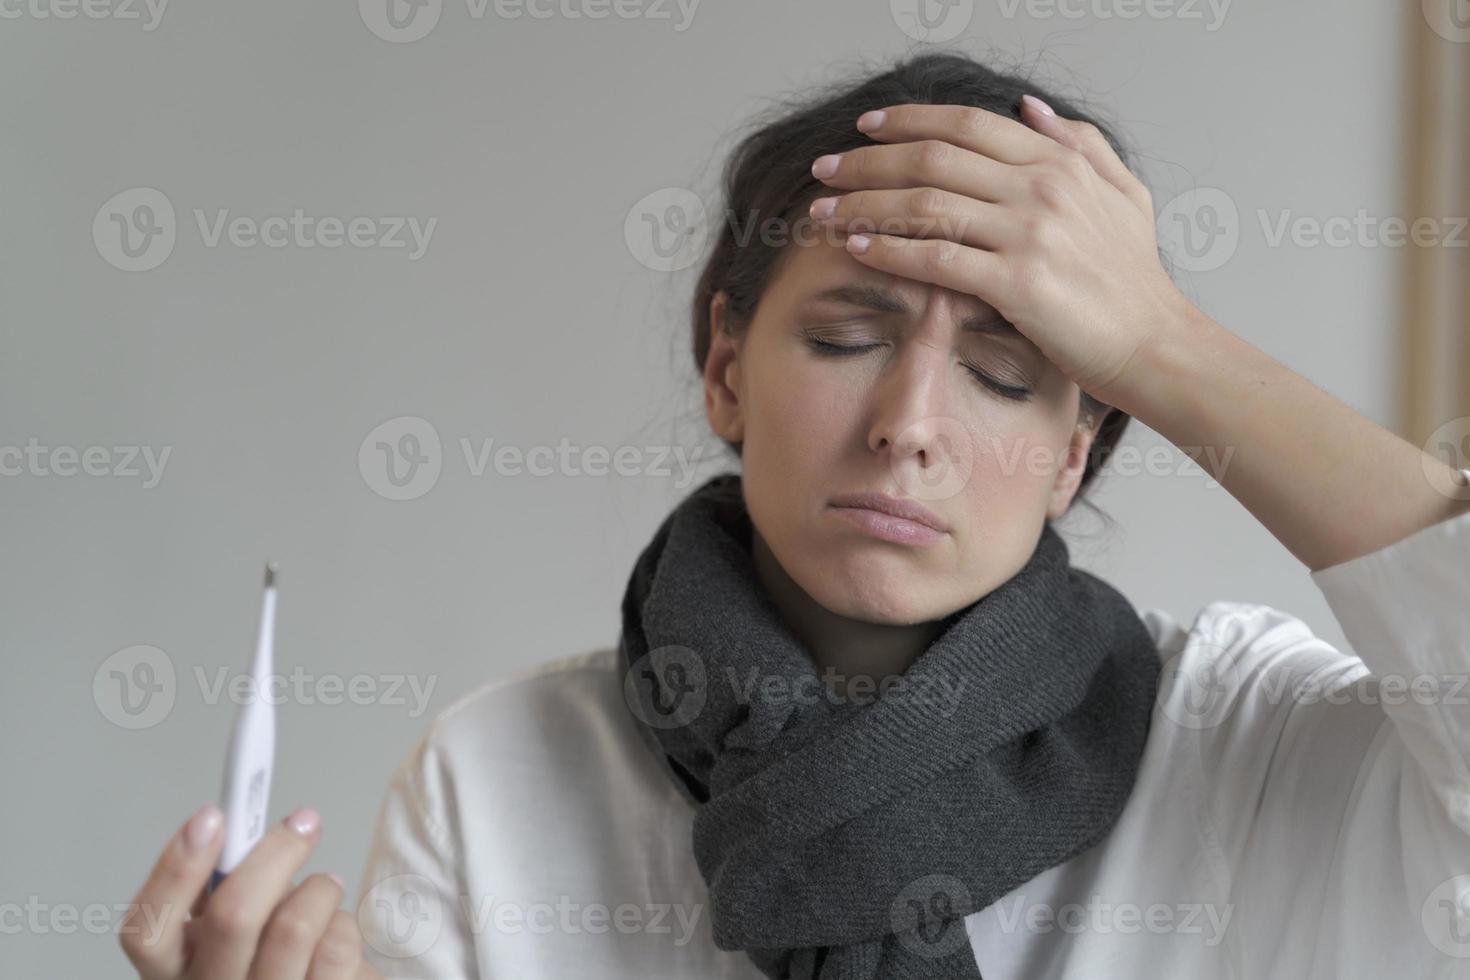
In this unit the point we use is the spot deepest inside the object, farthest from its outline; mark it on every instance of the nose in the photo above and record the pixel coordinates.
(912, 419)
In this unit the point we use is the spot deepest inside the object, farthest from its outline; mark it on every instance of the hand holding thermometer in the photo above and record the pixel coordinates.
(247, 783)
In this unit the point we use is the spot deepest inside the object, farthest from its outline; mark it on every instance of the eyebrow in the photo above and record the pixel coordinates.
(882, 300)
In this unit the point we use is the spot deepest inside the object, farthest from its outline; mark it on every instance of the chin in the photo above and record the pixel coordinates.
(890, 597)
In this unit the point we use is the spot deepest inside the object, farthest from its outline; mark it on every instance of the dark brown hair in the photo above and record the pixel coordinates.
(767, 178)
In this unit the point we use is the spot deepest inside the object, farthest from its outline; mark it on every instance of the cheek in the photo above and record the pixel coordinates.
(1014, 462)
(797, 412)
(1005, 498)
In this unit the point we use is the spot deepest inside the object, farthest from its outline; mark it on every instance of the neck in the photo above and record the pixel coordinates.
(842, 649)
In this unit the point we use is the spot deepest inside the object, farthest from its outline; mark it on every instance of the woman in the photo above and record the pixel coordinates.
(864, 718)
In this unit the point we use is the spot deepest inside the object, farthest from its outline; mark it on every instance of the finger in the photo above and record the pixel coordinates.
(197, 908)
(230, 928)
(339, 954)
(990, 134)
(298, 923)
(921, 212)
(971, 271)
(926, 163)
(1088, 140)
(152, 933)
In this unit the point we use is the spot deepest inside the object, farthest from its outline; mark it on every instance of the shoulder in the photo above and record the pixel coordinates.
(558, 694)
(1222, 622)
(558, 679)
(1234, 630)
(494, 746)
(1238, 663)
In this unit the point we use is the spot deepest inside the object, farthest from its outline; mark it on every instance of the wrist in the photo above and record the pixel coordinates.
(1163, 371)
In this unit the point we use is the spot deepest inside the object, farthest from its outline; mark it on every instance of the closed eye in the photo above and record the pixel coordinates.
(828, 349)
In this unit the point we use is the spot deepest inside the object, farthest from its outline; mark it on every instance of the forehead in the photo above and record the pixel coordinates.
(821, 274)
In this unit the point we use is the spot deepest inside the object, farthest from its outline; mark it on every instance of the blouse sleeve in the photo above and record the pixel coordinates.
(1335, 783)
(1406, 611)
(408, 906)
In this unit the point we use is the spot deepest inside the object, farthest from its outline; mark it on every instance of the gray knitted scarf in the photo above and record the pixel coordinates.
(845, 837)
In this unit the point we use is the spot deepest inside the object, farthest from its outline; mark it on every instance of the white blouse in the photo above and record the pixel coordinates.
(1299, 812)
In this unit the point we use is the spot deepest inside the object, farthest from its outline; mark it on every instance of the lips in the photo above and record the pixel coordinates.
(908, 510)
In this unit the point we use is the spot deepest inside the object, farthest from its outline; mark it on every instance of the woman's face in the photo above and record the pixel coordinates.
(907, 417)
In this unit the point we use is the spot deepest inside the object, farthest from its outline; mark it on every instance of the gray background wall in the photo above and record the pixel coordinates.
(528, 320)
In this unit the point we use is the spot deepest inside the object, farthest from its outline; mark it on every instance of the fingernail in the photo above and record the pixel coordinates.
(871, 120)
(825, 166)
(858, 243)
(203, 825)
(304, 821)
(338, 879)
(1038, 104)
(823, 207)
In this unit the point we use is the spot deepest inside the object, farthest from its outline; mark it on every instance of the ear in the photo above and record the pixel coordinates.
(722, 376)
(1069, 474)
